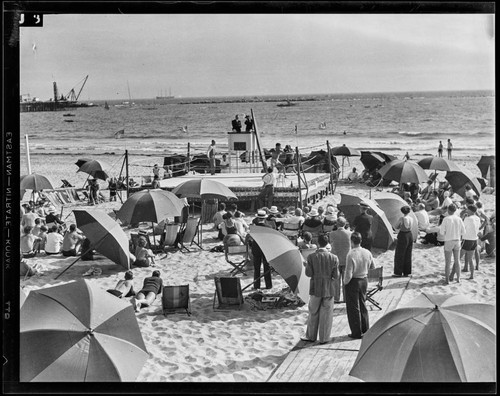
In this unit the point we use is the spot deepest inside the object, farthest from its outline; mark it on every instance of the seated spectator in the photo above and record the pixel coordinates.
(273, 216)
(43, 237)
(260, 219)
(71, 242)
(422, 217)
(296, 218)
(433, 202)
(144, 256)
(313, 220)
(306, 210)
(36, 229)
(28, 218)
(87, 250)
(124, 287)
(306, 242)
(469, 192)
(30, 244)
(330, 218)
(426, 191)
(54, 241)
(241, 225)
(152, 287)
(230, 231)
(433, 235)
(219, 218)
(52, 217)
(353, 176)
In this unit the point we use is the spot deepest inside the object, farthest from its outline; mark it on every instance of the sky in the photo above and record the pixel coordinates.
(201, 55)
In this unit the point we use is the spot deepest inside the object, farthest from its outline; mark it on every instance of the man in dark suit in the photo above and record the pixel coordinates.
(363, 224)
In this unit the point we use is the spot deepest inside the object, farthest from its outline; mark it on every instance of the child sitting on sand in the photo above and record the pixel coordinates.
(144, 257)
(124, 287)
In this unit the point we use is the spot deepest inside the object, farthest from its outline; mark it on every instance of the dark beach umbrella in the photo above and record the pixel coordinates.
(435, 338)
(345, 151)
(371, 160)
(391, 204)
(403, 172)
(150, 205)
(95, 168)
(482, 182)
(383, 234)
(81, 161)
(387, 157)
(77, 332)
(487, 165)
(459, 179)
(438, 164)
(105, 234)
(35, 182)
(284, 257)
(203, 188)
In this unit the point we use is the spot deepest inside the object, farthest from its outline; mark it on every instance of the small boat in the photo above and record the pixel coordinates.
(68, 115)
(287, 104)
(68, 121)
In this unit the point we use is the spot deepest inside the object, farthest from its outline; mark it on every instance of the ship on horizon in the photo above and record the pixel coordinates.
(162, 96)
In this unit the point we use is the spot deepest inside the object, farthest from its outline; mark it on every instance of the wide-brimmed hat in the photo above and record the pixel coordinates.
(330, 209)
(261, 213)
(313, 213)
(364, 205)
(274, 210)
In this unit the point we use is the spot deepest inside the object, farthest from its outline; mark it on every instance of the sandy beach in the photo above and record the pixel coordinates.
(239, 345)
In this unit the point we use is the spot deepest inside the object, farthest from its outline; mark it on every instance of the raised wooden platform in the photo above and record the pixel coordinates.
(331, 362)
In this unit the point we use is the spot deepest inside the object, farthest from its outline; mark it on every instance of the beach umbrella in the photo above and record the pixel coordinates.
(284, 257)
(371, 160)
(81, 161)
(77, 332)
(435, 338)
(391, 204)
(403, 172)
(482, 182)
(22, 297)
(203, 188)
(438, 164)
(383, 234)
(344, 151)
(487, 165)
(459, 179)
(35, 182)
(150, 205)
(95, 168)
(105, 235)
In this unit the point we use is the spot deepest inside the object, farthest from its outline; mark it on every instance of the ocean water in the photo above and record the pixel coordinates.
(389, 122)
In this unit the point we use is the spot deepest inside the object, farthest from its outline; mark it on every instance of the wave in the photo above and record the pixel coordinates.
(433, 133)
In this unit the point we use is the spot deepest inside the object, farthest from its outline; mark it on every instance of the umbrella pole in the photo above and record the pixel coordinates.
(260, 277)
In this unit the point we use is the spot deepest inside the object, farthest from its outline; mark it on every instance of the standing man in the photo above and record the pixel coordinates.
(236, 124)
(358, 261)
(248, 124)
(275, 155)
(450, 148)
(258, 256)
(363, 224)
(472, 223)
(156, 170)
(266, 196)
(340, 240)
(211, 157)
(322, 267)
(453, 229)
(440, 149)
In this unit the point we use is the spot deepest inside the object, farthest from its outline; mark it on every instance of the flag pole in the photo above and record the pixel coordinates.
(28, 153)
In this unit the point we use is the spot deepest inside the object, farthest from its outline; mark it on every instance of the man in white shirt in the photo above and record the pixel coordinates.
(224, 164)
(472, 223)
(54, 241)
(266, 196)
(452, 228)
(353, 176)
(422, 217)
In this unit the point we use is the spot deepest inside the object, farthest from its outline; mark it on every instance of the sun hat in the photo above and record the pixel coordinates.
(330, 209)
(364, 205)
(313, 212)
(261, 213)
(274, 210)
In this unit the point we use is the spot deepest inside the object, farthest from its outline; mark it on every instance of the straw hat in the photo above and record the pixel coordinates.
(330, 210)
(261, 213)
(313, 213)
(274, 210)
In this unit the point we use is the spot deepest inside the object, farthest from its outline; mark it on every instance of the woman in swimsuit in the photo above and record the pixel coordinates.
(124, 287)
(152, 287)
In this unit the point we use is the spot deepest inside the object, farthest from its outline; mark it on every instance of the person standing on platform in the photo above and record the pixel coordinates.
(404, 247)
(440, 149)
(322, 267)
(340, 240)
(359, 260)
(156, 170)
(363, 224)
(211, 157)
(275, 155)
(248, 124)
(450, 149)
(236, 124)
(266, 196)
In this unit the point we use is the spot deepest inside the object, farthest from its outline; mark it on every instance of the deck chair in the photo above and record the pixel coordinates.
(189, 234)
(306, 252)
(291, 231)
(376, 277)
(315, 232)
(65, 183)
(174, 298)
(170, 236)
(239, 265)
(227, 294)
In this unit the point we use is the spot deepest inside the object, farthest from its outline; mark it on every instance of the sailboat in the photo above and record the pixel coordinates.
(128, 103)
(166, 97)
(106, 106)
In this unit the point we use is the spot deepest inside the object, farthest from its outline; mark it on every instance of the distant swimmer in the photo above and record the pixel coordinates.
(345, 133)
(184, 129)
(322, 125)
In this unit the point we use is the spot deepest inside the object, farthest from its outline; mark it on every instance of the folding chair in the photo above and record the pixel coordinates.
(315, 232)
(238, 250)
(174, 298)
(170, 236)
(375, 275)
(227, 293)
(190, 233)
(66, 183)
(291, 231)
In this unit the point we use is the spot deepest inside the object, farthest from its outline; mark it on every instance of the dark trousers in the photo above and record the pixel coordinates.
(258, 259)
(266, 197)
(212, 165)
(355, 298)
(402, 255)
(367, 241)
